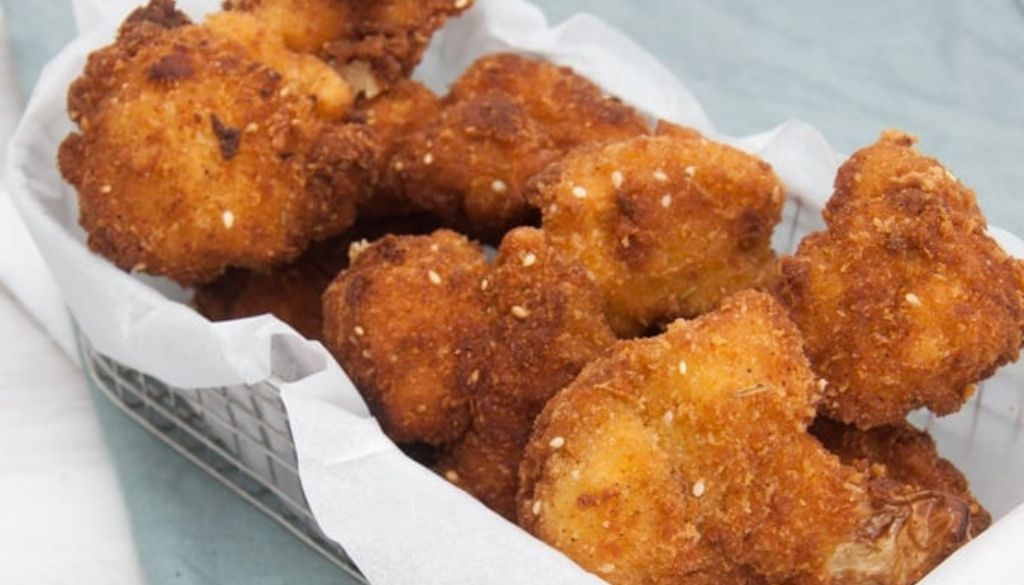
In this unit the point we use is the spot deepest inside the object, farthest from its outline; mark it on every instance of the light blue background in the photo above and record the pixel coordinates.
(949, 72)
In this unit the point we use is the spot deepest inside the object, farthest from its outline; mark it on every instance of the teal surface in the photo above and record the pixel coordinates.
(191, 530)
(950, 72)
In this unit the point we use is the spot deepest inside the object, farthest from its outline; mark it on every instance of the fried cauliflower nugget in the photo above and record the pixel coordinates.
(667, 225)
(293, 292)
(684, 458)
(891, 163)
(303, 73)
(909, 456)
(386, 39)
(546, 324)
(470, 166)
(399, 320)
(191, 158)
(903, 301)
(401, 110)
(504, 121)
(570, 107)
(304, 25)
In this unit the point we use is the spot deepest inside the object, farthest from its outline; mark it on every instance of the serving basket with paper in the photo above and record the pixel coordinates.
(457, 296)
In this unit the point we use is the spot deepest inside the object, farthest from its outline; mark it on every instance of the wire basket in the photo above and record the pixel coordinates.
(237, 434)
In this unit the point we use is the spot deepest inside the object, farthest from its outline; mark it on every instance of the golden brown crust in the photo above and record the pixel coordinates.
(401, 321)
(570, 108)
(904, 301)
(394, 114)
(293, 292)
(909, 456)
(891, 164)
(506, 118)
(470, 166)
(192, 156)
(685, 457)
(304, 25)
(545, 325)
(667, 225)
(386, 39)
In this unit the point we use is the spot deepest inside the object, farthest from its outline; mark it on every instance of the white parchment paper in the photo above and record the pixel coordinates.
(399, 522)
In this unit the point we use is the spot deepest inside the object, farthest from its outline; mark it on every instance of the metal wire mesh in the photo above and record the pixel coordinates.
(237, 434)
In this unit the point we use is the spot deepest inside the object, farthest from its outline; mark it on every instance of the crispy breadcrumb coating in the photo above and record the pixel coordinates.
(394, 114)
(667, 225)
(909, 456)
(303, 73)
(305, 26)
(401, 320)
(293, 292)
(685, 458)
(386, 39)
(903, 301)
(570, 107)
(546, 324)
(471, 165)
(192, 157)
(506, 118)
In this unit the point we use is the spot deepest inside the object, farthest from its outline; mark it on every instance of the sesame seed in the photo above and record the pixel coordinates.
(359, 330)
(434, 247)
(520, 312)
(951, 176)
(421, 408)
(434, 277)
(529, 259)
(399, 165)
(473, 377)
(822, 384)
(617, 179)
(579, 192)
(106, 189)
(575, 473)
(428, 158)
(460, 4)
(552, 208)
(666, 201)
(607, 568)
(624, 241)
(498, 186)
(357, 248)
(366, 354)
(668, 417)
(484, 284)
(691, 171)
(452, 475)
(536, 507)
(682, 367)
(698, 488)
(913, 299)
(660, 176)
(252, 127)
(228, 218)
(557, 442)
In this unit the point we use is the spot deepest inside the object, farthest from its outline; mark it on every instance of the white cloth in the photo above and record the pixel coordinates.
(63, 518)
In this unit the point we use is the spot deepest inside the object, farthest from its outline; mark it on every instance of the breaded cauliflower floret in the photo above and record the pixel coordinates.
(193, 156)
(685, 458)
(667, 225)
(904, 301)
(402, 320)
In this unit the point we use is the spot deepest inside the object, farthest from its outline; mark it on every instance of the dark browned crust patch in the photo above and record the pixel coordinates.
(229, 138)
